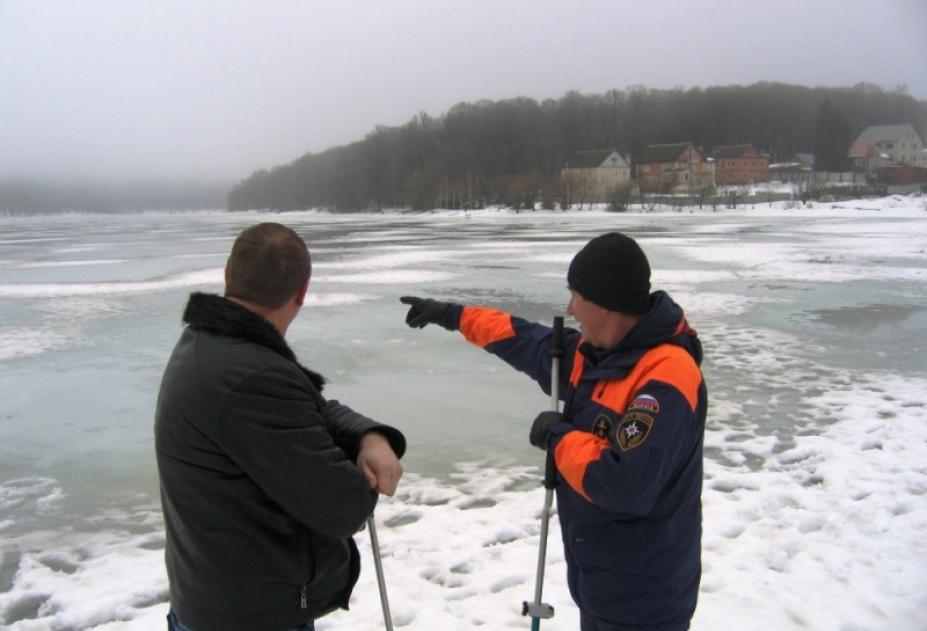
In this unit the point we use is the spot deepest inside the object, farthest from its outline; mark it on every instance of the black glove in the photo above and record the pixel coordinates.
(424, 311)
(540, 428)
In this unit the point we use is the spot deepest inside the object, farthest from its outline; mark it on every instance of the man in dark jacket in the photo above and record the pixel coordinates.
(628, 445)
(263, 481)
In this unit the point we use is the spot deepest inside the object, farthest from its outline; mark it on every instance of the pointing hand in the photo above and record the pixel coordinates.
(424, 311)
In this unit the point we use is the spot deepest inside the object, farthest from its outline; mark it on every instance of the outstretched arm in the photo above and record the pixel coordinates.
(522, 344)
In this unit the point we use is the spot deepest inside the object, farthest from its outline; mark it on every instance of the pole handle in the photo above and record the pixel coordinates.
(556, 339)
(556, 353)
(550, 471)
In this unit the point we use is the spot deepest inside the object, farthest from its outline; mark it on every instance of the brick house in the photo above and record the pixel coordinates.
(680, 167)
(592, 175)
(739, 164)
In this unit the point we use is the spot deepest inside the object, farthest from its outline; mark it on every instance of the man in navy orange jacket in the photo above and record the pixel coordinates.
(628, 445)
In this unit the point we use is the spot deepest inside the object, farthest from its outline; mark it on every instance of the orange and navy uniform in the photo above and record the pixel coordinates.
(630, 454)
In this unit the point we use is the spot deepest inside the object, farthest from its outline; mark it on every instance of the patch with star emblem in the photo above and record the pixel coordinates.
(633, 430)
(645, 402)
(602, 426)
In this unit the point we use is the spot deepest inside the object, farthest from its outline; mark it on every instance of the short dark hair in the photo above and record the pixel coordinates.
(267, 265)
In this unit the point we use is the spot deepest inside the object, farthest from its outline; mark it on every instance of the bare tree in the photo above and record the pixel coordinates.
(619, 196)
(648, 202)
(703, 193)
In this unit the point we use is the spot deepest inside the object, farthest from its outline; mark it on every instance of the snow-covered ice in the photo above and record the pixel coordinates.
(813, 322)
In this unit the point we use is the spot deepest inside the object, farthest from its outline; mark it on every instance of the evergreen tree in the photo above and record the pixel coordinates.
(832, 138)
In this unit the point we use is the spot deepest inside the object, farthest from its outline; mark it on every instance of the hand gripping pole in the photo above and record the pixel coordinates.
(536, 609)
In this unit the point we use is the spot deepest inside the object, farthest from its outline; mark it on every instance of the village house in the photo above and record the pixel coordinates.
(865, 157)
(893, 155)
(592, 176)
(680, 167)
(900, 143)
(739, 164)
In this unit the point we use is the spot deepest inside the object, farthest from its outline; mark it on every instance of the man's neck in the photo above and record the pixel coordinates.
(278, 318)
(622, 324)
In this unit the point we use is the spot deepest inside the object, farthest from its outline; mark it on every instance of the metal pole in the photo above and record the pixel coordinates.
(378, 564)
(537, 609)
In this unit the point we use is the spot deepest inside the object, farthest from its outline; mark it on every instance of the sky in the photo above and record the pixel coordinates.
(216, 89)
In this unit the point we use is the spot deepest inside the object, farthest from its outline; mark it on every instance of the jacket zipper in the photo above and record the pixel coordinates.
(304, 597)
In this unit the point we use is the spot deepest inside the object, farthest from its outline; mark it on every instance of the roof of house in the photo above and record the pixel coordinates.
(726, 152)
(663, 153)
(886, 133)
(592, 159)
(798, 167)
(860, 149)
(805, 158)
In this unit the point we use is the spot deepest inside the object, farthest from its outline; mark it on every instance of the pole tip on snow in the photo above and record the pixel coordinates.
(537, 610)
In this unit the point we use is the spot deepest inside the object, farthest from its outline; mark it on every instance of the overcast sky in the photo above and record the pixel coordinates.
(217, 89)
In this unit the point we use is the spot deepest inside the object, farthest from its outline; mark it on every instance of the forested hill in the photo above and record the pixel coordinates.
(511, 151)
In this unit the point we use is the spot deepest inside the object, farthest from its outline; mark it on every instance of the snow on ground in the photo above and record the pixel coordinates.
(828, 534)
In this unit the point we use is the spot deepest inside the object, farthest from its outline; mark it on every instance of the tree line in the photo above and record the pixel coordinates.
(511, 151)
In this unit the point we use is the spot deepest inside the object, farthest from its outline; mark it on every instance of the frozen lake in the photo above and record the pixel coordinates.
(814, 325)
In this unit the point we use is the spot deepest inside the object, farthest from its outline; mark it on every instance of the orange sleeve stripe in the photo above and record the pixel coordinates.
(678, 369)
(573, 454)
(667, 363)
(579, 362)
(482, 326)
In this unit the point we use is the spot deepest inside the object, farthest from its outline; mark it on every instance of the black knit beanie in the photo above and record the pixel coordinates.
(612, 271)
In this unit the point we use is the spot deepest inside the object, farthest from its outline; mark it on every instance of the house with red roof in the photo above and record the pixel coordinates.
(680, 167)
(865, 157)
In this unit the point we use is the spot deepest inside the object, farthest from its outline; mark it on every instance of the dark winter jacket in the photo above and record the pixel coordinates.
(629, 459)
(259, 487)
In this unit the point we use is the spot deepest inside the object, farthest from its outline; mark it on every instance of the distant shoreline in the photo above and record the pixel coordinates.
(912, 203)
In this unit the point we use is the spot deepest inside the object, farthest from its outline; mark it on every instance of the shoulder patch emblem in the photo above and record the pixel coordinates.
(645, 402)
(602, 426)
(633, 430)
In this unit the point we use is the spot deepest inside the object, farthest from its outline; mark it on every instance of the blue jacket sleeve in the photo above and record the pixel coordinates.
(522, 344)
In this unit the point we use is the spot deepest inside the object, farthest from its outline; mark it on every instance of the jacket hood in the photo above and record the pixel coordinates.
(664, 323)
(218, 315)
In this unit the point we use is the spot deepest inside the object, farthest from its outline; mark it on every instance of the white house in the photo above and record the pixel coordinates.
(594, 175)
(901, 143)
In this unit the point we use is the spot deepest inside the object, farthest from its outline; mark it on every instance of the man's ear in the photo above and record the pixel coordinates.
(302, 292)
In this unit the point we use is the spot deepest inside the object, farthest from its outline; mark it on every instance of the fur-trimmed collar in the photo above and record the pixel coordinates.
(215, 314)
